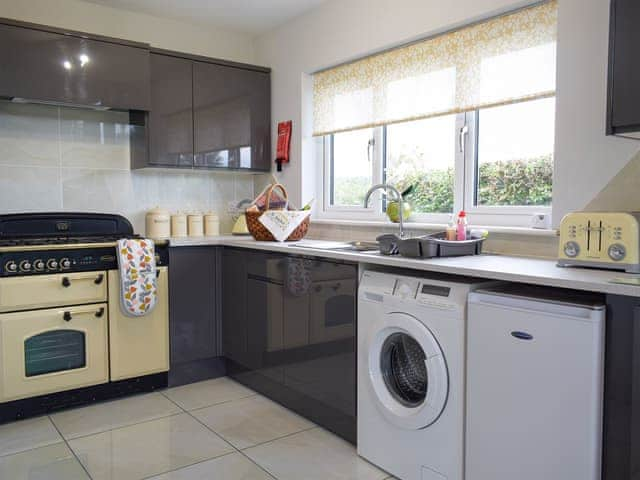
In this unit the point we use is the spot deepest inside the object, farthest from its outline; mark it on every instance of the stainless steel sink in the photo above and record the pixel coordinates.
(362, 247)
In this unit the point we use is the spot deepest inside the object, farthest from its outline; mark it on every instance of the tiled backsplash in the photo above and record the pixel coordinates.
(68, 159)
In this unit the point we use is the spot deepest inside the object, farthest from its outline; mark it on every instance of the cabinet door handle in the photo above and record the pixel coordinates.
(66, 283)
(67, 315)
(99, 279)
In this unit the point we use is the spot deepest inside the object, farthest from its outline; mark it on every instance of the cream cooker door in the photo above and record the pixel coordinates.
(46, 351)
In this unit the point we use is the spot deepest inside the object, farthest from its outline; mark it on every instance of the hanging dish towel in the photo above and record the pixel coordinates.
(281, 223)
(138, 281)
(298, 276)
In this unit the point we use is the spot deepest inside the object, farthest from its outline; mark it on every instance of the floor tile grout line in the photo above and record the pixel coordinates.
(73, 452)
(225, 402)
(57, 442)
(173, 401)
(212, 405)
(272, 475)
(280, 437)
(236, 448)
(192, 464)
(251, 446)
(122, 426)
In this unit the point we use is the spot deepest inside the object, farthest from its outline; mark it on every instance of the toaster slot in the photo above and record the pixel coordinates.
(600, 237)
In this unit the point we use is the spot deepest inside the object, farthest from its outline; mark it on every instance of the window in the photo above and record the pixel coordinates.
(465, 120)
(515, 154)
(496, 163)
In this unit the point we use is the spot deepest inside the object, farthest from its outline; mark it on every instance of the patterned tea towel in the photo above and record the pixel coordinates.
(281, 223)
(138, 281)
(298, 275)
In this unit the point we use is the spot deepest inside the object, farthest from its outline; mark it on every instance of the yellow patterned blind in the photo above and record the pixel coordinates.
(500, 61)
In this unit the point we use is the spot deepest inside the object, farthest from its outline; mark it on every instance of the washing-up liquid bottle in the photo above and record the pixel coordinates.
(451, 229)
(461, 231)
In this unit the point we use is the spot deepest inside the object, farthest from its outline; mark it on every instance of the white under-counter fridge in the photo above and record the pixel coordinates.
(535, 360)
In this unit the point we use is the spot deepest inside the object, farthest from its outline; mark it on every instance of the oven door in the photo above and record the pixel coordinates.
(45, 351)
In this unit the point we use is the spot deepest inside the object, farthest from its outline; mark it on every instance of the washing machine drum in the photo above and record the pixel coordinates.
(407, 371)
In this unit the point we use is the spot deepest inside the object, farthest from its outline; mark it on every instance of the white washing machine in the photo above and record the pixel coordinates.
(411, 360)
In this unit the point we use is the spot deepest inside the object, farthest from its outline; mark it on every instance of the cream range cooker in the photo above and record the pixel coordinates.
(63, 337)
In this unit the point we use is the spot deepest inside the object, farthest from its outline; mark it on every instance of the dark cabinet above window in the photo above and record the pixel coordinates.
(623, 110)
(47, 66)
(207, 115)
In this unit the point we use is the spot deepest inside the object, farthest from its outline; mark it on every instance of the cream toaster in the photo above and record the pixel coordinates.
(601, 240)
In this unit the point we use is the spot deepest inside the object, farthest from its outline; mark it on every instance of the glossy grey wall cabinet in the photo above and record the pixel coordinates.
(65, 68)
(207, 115)
(231, 117)
(623, 109)
(171, 120)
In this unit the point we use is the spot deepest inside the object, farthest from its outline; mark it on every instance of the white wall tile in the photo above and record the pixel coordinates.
(29, 135)
(94, 139)
(78, 160)
(29, 189)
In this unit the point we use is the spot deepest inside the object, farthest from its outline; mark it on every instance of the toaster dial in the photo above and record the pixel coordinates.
(617, 252)
(571, 249)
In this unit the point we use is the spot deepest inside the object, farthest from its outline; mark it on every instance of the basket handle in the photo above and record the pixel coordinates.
(270, 191)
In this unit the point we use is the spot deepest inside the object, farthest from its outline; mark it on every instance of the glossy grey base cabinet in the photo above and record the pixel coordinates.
(193, 318)
(289, 332)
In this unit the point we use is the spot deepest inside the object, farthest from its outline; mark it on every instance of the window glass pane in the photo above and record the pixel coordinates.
(422, 154)
(515, 154)
(351, 167)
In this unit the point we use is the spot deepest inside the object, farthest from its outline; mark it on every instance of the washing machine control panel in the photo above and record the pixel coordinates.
(406, 287)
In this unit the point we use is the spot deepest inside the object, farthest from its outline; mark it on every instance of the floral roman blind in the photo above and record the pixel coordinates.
(504, 60)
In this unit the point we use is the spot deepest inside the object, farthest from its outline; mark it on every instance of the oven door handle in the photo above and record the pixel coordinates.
(67, 315)
(97, 279)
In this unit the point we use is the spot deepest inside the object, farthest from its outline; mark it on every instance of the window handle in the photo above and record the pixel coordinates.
(370, 144)
(462, 137)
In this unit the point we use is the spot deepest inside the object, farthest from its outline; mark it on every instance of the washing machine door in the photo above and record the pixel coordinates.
(407, 371)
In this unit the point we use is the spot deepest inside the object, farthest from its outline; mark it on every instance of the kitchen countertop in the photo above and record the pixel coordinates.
(497, 267)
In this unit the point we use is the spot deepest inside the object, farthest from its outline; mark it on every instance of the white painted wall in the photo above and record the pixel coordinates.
(159, 32)
(342, 30)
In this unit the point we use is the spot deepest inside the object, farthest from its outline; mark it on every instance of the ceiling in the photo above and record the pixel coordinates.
(252, 17)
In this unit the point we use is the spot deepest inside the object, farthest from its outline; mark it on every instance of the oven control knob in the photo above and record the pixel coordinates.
(52, 264)
(11, 267)
(617, 252)
(25, 266)
(38, 265)
(571, 249)
(65, 263)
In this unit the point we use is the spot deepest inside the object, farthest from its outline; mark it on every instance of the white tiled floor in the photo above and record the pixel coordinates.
(217, 429)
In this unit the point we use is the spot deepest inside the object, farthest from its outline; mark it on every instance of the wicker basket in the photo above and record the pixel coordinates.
(261, 233)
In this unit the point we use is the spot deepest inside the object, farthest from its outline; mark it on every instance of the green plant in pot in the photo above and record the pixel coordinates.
(393, 207)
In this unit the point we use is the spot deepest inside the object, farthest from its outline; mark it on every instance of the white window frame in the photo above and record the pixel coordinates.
(500, 215)
(339, 212)
(465, 172)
